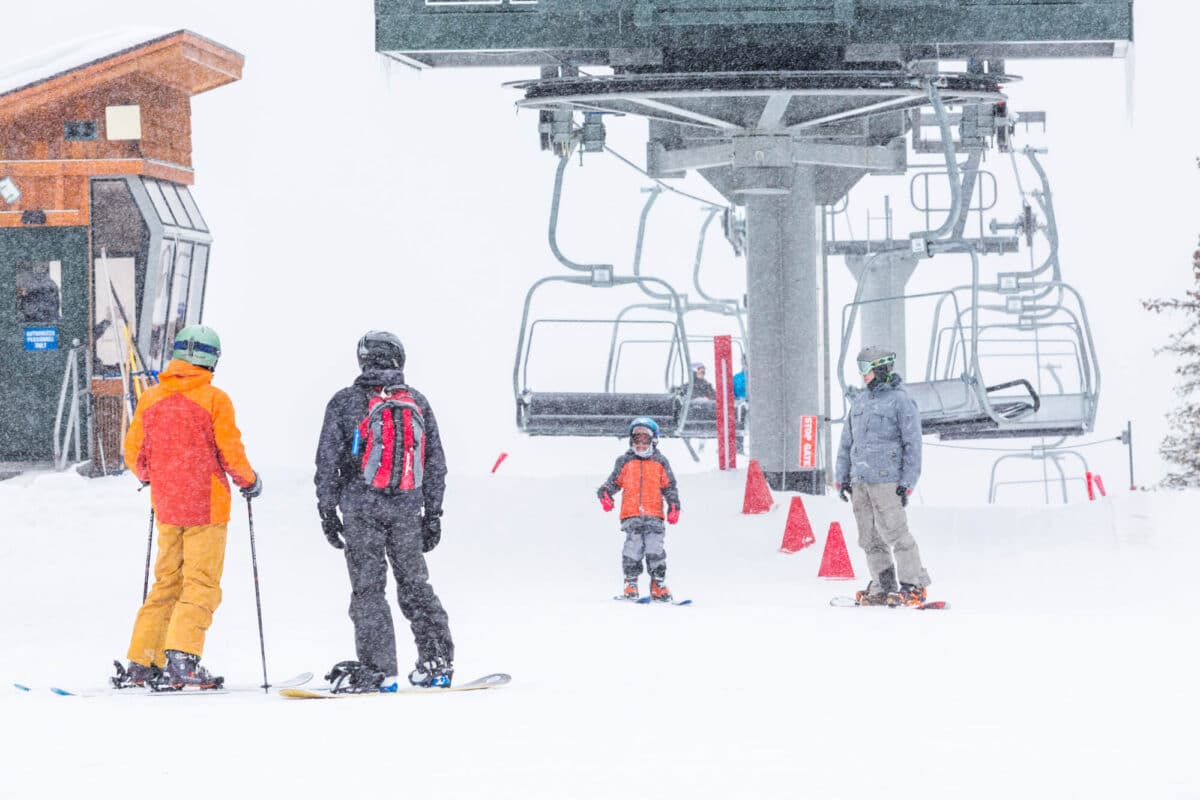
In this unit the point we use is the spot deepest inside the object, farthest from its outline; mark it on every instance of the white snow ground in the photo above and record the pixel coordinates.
(1065, 668)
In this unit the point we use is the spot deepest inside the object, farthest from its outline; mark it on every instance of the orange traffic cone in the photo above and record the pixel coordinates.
(835, 561)
(758, 497)
(798, 533)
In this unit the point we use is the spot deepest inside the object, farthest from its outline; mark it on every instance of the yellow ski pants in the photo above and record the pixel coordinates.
(186, 592)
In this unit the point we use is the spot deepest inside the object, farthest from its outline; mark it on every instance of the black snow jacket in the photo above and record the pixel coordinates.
(338, 469)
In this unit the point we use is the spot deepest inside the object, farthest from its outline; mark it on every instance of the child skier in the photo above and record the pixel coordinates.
(645, 478)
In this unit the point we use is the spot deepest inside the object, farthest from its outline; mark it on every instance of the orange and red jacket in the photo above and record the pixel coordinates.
(644, 482)
(183, 439)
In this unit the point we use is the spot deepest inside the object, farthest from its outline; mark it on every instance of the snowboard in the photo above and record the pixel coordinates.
(143, 691)
(492, 681)
(850, 602)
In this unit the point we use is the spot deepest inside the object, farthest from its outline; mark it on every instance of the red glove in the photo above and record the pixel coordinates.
(606, 502)
(673, 515)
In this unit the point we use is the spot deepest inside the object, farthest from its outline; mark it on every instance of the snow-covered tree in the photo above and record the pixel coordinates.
(1182, 444)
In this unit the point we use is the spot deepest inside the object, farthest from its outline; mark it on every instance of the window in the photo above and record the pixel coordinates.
(181, 215)
(160, 202)
(196, 293)
(179, 292)
(193, 211)
(114, 299)
(160, 353)
(39, 292)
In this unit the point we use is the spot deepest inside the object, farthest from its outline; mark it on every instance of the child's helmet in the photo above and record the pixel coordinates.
(644, 422)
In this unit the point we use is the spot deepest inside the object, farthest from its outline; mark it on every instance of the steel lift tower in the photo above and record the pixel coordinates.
(782, 105)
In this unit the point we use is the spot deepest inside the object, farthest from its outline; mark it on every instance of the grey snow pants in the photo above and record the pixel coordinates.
(377, 533)
(644, 538)
(883, 534)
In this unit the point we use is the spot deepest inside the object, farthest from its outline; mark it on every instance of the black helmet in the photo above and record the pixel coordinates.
(381, 350)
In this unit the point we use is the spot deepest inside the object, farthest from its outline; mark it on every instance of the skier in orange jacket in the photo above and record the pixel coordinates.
(182, 441)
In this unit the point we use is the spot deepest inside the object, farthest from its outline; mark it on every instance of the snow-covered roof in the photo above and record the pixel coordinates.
(70, 56)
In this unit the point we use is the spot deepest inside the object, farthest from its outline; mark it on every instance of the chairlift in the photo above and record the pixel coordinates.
(607, 412)
(702, 416)
(1047, 457)
(1010, 327)
(597, 413)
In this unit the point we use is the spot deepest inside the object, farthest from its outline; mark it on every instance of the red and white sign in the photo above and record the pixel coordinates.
(808, 442)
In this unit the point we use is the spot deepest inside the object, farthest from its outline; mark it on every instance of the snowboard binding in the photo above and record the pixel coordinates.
(354, 677)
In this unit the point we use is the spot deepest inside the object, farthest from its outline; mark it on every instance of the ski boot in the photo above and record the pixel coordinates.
(353, 677)
(631, 589)
(908, 595)
(871, 596)
(135, 675)
(183, 669)
(435, 673)
(659, 592)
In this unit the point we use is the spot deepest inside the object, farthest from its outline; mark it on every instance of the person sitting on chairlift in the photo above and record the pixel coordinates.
(701, 388)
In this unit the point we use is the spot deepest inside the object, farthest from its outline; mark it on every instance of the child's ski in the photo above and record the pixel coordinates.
(850, 602)
(492, 681)
(645, 601)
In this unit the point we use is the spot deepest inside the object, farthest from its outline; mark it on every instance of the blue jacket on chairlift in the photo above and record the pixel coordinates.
(881, 439)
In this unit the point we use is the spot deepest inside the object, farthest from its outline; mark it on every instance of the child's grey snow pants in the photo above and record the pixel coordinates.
(883, 534)
(644, 537)
(378, 529)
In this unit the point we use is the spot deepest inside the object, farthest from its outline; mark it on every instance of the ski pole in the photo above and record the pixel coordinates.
(262, 646)
(149, 546)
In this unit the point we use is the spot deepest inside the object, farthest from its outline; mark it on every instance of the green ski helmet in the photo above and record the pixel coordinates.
(199, 345)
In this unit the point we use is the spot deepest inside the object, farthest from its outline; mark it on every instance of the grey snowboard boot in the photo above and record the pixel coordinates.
(183, 669)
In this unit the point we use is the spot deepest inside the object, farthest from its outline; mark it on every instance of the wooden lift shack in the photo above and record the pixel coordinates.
(104, 253)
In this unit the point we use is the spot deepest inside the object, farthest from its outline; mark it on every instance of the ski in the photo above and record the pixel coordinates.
(145, 691)
(491, 681)
(645, 601)
(850, 602)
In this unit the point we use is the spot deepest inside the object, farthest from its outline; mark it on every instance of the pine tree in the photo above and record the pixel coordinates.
(1182, 444)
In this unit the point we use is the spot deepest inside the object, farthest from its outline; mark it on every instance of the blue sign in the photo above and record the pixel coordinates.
(41, 338)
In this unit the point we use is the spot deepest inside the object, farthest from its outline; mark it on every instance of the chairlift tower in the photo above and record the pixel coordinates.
(781, 105)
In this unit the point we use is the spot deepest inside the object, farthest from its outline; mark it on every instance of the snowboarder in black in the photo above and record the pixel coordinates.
(380, 461)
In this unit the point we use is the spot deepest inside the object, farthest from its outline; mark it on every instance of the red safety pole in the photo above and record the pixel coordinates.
(726, 422)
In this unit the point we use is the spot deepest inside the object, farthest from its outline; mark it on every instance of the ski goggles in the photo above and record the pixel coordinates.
(642, 438)
(866, 367)
(191, 347)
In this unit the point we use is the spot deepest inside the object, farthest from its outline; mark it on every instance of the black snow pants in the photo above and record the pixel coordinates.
(380, 529)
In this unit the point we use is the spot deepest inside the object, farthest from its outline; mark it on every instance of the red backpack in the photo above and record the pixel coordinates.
(392, 440)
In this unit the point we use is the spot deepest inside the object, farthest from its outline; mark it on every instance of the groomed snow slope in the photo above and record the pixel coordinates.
(1065, 668)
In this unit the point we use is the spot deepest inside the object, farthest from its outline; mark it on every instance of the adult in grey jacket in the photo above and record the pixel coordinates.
(878, 464)
(378, 526)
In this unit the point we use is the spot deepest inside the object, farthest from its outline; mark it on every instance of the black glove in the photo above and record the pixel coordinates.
(431, 530)
(332, 527)
(844, 492)
(253, 490)
(902, 493)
